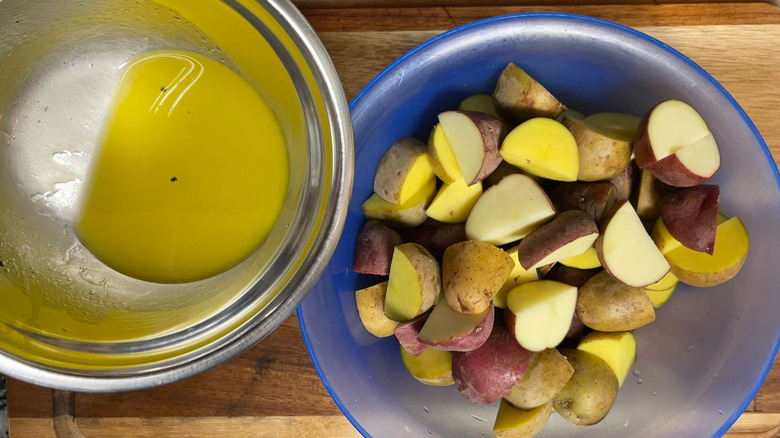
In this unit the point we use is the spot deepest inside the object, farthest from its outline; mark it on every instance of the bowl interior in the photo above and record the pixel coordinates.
(709, 350)
(64, 311)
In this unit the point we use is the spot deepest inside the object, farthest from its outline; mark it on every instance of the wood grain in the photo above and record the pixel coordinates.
(488, 4)
(273, 386)
(442, 18)
(748, 426)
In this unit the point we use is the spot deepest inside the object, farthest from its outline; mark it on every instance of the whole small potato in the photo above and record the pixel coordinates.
(607, 305)
(547, 374)
(472, 273)
(590, 392)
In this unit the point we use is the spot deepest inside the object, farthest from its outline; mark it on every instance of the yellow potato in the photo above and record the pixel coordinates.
(483, 103)
(587, 260)
(542, 147)
(453, 203)
(662, 238)
(472, 273)
(404, 170)
(603, 153)
(617, 349)
(547, 374)
(517, 423)
(518, 276)
(414, 283)
(409, 214)
(432, 367)
(371, 309)
(669, 281)
(441, 156)
(625, 124)
(660, 297)
(704, 270)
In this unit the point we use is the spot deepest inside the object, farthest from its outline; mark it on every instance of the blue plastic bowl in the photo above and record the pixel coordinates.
(709, 350)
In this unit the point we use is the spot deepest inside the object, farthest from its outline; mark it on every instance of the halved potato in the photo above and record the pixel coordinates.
(542, 147)
(414, 283)
(403, 171)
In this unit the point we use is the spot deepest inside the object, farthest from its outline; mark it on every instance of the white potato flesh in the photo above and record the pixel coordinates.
(628, 252)
(543, 312)
(466, 142)
(508, 211)
(674, 125)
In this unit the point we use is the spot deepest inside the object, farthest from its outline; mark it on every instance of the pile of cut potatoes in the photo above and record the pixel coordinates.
(516, 251)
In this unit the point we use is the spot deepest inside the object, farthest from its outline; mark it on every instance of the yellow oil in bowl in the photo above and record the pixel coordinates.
(191, 174)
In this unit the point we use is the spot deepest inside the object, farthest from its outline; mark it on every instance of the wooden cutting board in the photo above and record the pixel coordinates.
(272, 390)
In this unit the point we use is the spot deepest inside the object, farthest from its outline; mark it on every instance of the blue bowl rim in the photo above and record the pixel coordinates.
(601, 22)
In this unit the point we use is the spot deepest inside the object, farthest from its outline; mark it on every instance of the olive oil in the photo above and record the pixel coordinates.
(191, 174)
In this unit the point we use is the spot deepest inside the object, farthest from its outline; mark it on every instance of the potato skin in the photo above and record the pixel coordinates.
(624, 182)
(488, 373)
(374, 248)
(493, 132)
(406, 334)
(590, 392)
(601, 157)
(669, 169)
(371, 310)
(691, 216)
(607, 305)
(547, 374)
(563, 229)
(470, 341)
(437, 238)
(572, 276)
(395, 165)
(594, 198)
(519, 97)
(428, 273)
(472, 273)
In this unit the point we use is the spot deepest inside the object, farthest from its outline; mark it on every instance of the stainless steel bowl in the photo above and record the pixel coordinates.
(67, 321)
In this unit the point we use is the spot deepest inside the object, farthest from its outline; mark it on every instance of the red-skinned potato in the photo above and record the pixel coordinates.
(523, 207)
(575, 333)
(569, 234)
(674, 143)
(488, 373)
(572, 276)
(475, 138)
(437, 237)
(691, 216)
(448, 330)
(406, 333)
(624, 182)
(594, 198)
(374, 248)
(626, 251)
